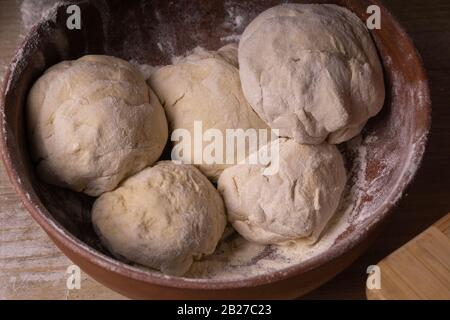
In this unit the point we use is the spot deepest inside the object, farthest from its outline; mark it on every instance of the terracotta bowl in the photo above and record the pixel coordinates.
(393, 142)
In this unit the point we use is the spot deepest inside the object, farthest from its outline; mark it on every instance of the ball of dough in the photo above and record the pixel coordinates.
(205, 86)
(163, 217)
(93, 122)
(295, 202)
(311, 71)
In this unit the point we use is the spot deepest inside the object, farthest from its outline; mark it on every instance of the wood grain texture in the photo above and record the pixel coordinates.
(32, 267)
(418, 270)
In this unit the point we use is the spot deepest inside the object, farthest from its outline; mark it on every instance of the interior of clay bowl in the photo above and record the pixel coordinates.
(380, 162)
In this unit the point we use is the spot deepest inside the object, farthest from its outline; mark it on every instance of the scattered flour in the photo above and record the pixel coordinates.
(236, 16)
(32, 11)
(235, 21)
(231, 38)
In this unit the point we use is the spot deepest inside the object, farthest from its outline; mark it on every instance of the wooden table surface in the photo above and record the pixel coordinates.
(31, 267)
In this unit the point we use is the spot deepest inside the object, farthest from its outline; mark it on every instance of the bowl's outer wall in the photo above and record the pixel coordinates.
(62, 213)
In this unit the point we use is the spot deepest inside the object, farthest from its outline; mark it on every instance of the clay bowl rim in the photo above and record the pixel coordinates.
(60, 236)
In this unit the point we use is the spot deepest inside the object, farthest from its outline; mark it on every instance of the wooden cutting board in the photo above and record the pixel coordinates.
(418, 270)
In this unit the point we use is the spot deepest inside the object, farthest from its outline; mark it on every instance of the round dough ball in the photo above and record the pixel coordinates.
(295, 202)
(93, 122)
(205, 86)
(311, 71)
(163, 217)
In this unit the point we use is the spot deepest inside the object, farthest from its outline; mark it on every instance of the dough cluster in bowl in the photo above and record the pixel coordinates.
(97, 126)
